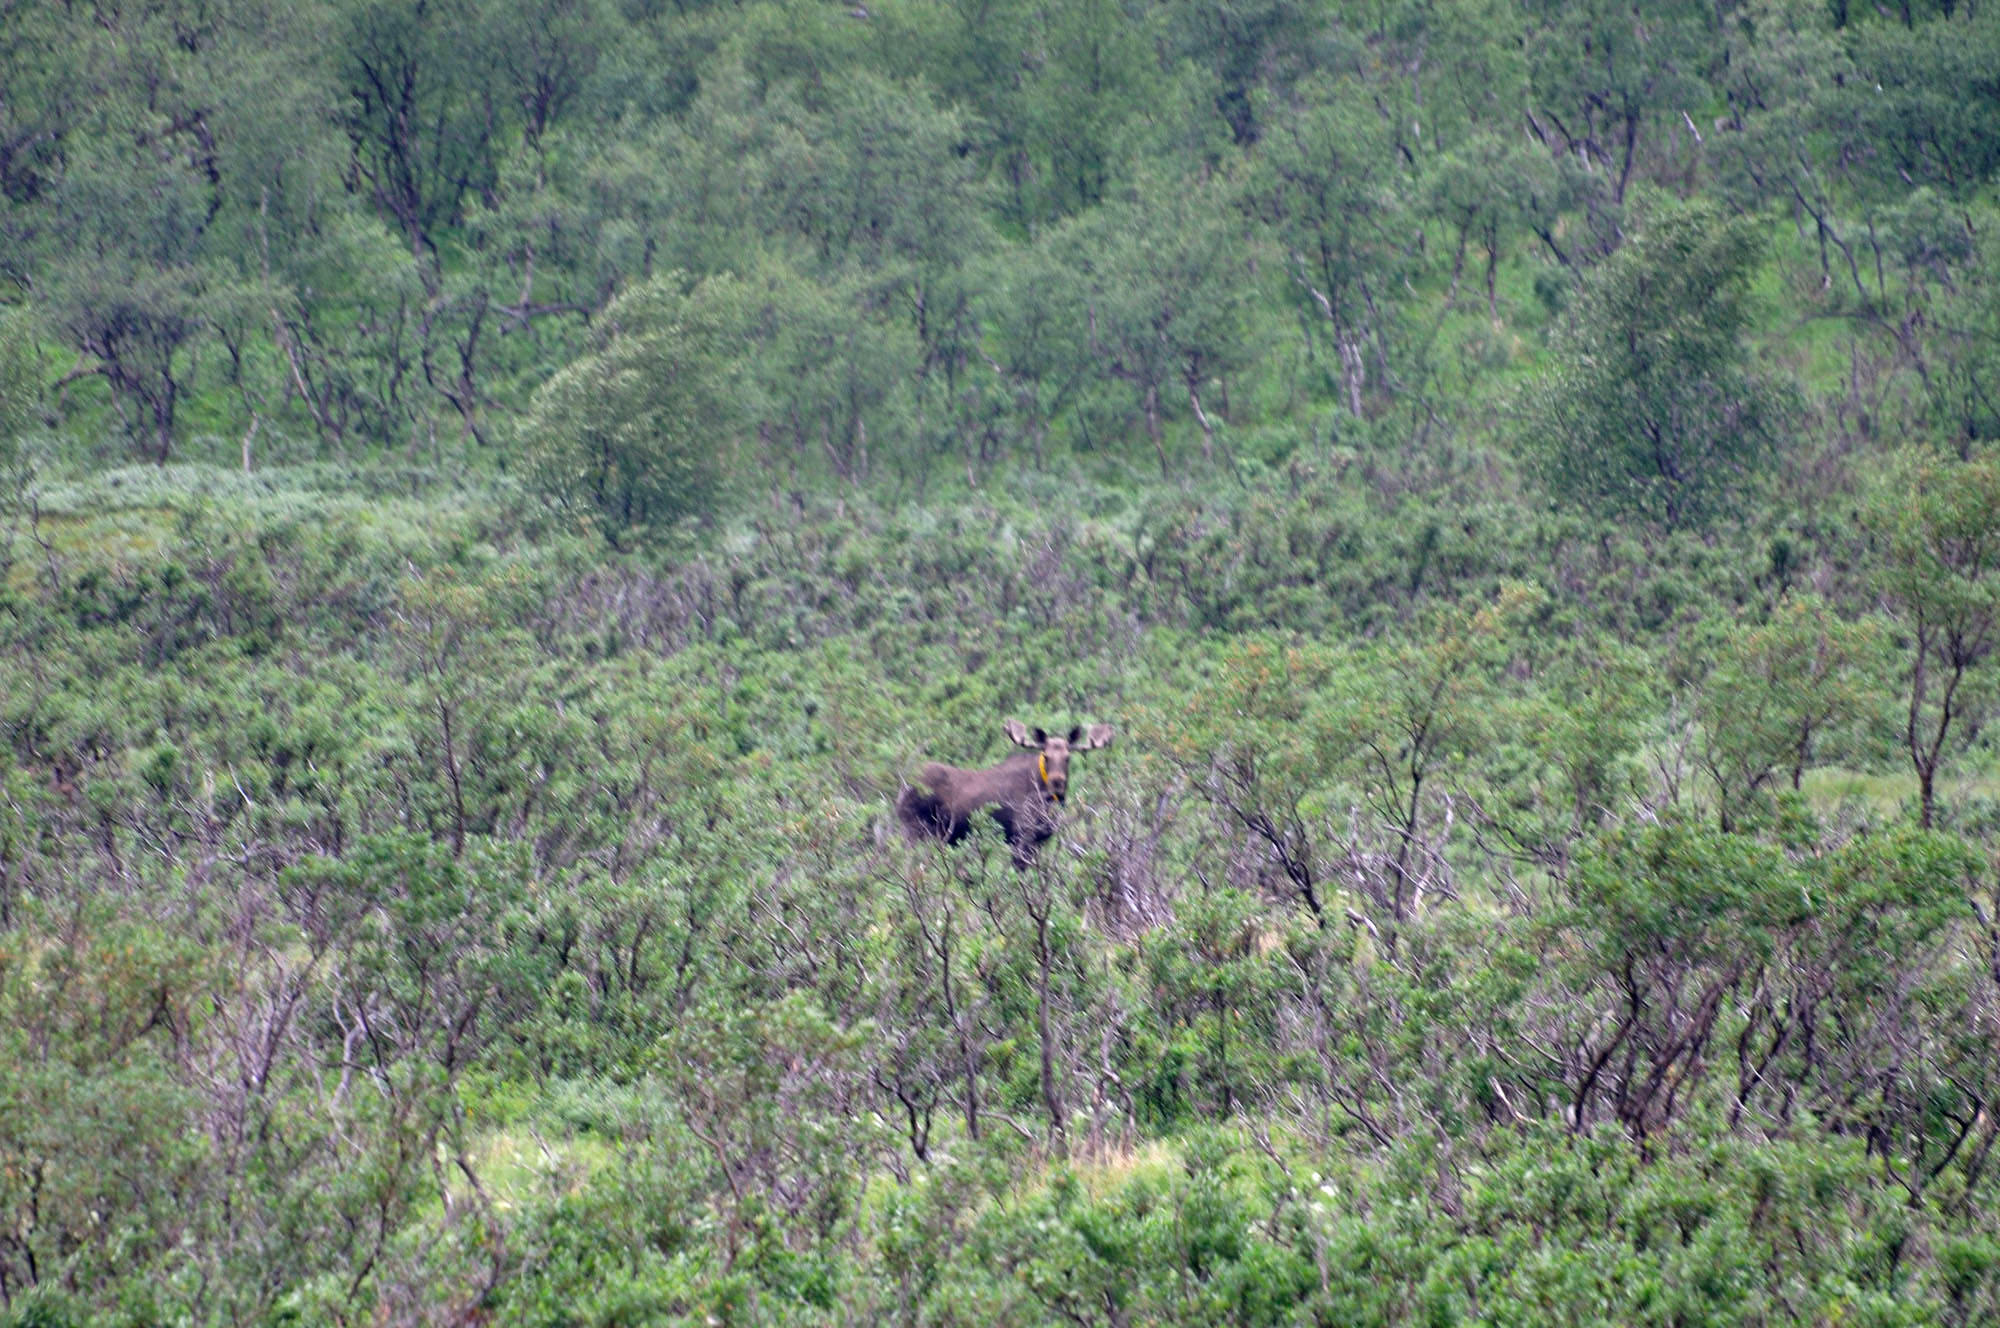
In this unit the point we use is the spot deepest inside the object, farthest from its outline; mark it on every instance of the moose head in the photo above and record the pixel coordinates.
(1052, 769)
(1024, 792)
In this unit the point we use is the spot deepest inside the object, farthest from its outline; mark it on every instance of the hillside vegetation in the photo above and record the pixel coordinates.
(501, 496)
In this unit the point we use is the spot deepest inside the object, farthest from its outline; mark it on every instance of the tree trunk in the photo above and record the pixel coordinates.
(1051, 1099)
(1153, 426)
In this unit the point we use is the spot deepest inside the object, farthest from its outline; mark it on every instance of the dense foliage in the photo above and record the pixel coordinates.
(497, 497)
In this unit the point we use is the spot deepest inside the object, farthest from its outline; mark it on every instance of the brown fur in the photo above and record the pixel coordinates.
(1026, 807)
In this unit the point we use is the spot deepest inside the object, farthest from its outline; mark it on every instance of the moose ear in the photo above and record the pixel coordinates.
(1019, 733)
(1097, 735)
(1075, 738)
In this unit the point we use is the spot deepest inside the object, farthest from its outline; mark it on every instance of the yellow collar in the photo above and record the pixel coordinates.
(1042, 768)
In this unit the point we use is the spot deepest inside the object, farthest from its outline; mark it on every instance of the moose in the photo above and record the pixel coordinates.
(1025, 791)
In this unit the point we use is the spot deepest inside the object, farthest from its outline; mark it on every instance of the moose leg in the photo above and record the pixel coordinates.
(1029, 842)
(1018, 837)
(1027, 829)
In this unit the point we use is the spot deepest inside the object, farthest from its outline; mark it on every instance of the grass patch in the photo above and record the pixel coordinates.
(1829, 788)
(519, 1164)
